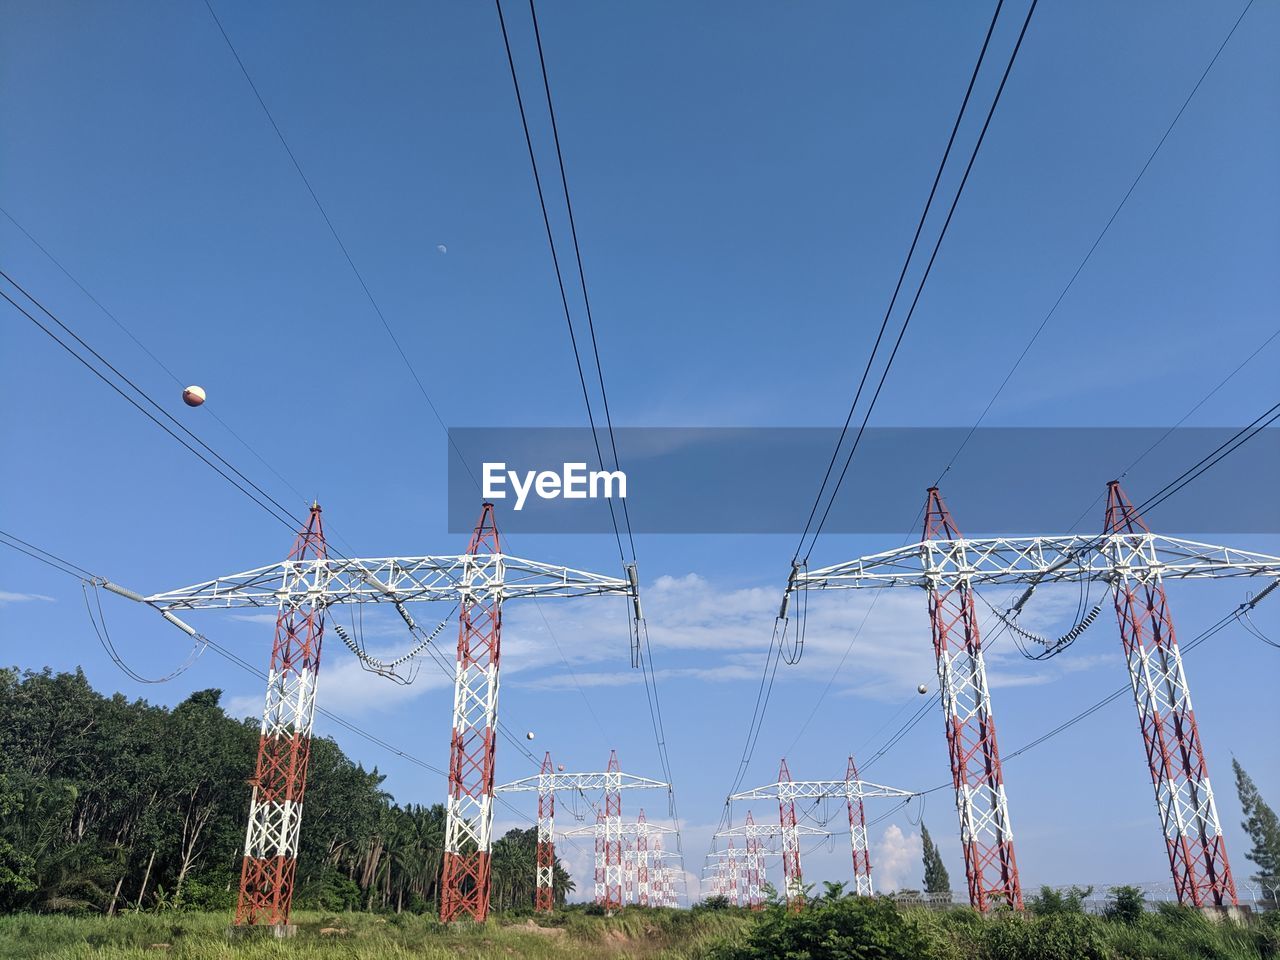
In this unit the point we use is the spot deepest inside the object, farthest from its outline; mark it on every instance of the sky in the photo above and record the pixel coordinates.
(746, 179)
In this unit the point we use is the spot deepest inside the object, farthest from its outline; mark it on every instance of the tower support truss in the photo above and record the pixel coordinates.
(613, 867)
(1179, 773)
(754, 867)
(793, 878)
(858, 835)
(469, 812)
(985, 835)
(546, 853)
(1135, 564)
(284, 745)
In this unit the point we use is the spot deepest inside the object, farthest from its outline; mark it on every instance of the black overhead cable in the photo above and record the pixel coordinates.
(324, 214)
(555, 263)
(902, 274)
(771, 663)
(643, 646)
(925, 277)
(577, 253)
(144, 348)
(1089, 254)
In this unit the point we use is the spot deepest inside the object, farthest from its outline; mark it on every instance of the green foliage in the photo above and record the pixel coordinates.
(1125, 905)
(718, 902)
(108, 805)
(852, 928)
(936, 879)
(1050, 901)
(1058, 936)
(1263, 827)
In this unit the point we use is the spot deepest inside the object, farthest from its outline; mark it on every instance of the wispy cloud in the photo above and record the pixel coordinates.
(8, 596)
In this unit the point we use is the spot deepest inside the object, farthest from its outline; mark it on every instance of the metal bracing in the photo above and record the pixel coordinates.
(608, 832)
(284, 746)
(546, 854)
(479, 581)
(1170, 734)
(1071, 558)
(469, 811)
(787, 791)
(858, 835)
(1134, 563)
(391, 580)
(986, 838)
(615, 874)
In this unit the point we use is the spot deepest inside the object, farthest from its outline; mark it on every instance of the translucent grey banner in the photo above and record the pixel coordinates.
(1014, 480)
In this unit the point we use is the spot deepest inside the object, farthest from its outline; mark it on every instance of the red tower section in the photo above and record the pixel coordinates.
(985, 835)
(1179, 773)
(284, 745)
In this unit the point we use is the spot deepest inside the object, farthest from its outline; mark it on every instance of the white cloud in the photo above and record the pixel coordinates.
(896, 860)
(8, 596)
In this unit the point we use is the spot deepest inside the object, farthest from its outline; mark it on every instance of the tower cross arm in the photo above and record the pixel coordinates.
(820, 790)
(630, 829)
(1069, 558)
(391, 580)
(581, 781)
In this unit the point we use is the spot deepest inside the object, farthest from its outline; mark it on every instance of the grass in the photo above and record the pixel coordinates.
(846, 929)
(648, 934)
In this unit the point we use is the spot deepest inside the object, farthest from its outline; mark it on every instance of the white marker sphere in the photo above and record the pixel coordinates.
(922, 689)
(560, 767)
(529, 735)
(193, 396)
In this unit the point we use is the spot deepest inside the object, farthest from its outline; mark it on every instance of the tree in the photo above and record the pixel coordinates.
(1126, 904)
(1264, 829)
(936, 879)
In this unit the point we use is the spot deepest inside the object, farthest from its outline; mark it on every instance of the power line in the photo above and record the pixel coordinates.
(1089, 254)
(902, 274)
(925, 277)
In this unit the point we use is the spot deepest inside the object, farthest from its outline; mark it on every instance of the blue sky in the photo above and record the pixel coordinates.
(746, 179)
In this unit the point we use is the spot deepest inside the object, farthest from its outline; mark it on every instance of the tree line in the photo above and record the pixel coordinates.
(108, 804)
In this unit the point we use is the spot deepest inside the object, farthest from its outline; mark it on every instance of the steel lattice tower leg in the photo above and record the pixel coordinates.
(613, 865)
(600, 834)
(284, 747)
(985, 835)
(754, 868)
(642, 860)
(546, 854)
(793, 878)
(469, 822)
(735, 876)
(1179, 773)
(858, 837)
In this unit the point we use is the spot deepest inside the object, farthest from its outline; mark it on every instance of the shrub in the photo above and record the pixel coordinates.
(1125, 905)
(848, 929)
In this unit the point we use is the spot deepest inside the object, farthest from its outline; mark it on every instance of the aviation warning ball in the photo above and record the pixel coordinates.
(193, 396)
(560, 767)
(923, 689)
(529, 735)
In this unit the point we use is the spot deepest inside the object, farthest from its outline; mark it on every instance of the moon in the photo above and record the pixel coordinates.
(441, 248)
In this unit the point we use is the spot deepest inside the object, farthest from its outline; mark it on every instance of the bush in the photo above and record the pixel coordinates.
(1057, 936)
(1125, 905)
(1049, 901)
(848, 929)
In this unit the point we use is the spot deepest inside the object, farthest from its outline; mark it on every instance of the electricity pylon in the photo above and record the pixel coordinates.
(302, 588)
(610, 782)
(787, 791)
(757, 844)
(858, 837)
(1133, 563)
(610, 882)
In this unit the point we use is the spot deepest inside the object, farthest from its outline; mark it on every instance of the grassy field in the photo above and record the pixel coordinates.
(653, 935)
(846, 929)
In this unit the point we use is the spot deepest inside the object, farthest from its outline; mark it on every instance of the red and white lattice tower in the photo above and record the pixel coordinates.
(613, 866)
(642, 860)
(599, 875)
(858, 835)
(754, 867)
(545, 899)
(793, 878)
(985, 835)
(284, 746)
(734, 876)
(469, 813)
(1179, 773)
